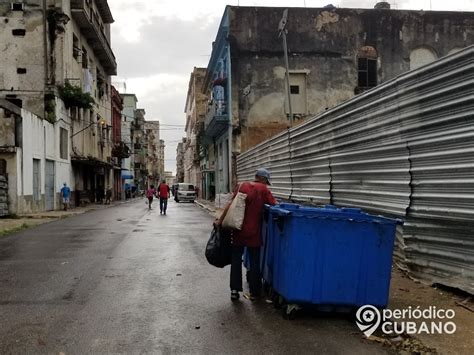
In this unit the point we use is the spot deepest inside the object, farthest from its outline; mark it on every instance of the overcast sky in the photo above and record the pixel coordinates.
(158, 43)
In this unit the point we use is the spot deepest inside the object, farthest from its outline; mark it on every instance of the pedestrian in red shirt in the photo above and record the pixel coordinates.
(258, 194)
(164, 194)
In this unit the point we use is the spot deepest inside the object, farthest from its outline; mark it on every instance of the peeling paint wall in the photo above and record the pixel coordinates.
(324, 44)
(7, 129)
(196, 105)
(22, 51)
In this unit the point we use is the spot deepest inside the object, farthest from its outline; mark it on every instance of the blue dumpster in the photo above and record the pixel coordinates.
(328, 256)
(270, 254)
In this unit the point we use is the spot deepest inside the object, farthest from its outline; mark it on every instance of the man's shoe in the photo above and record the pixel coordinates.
(234, 295)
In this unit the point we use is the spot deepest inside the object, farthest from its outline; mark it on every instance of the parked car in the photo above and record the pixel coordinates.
(185, 192)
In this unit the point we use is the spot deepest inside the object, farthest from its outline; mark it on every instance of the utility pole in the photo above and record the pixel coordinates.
(282, 33)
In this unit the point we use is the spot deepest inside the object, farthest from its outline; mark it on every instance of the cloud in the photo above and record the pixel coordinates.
(166, 45)
(157, 64)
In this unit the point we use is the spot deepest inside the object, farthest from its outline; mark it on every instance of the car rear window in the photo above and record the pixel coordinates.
(186, 187)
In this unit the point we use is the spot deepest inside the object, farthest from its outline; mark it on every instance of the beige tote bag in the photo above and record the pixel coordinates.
(236, 212)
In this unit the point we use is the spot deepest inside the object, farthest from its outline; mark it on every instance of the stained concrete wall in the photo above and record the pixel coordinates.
(7, 129)
(22, 52)
(324, 45)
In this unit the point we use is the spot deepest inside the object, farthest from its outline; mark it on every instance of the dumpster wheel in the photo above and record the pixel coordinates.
(278, 301)
(290, 310)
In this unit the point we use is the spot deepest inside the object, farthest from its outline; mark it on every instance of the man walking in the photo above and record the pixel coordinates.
(65, 195)
(164, 194)
(249, 236)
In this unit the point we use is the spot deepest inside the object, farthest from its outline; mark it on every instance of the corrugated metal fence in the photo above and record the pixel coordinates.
(405, 149)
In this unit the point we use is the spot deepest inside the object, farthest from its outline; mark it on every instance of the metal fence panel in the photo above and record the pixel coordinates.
(404, 148)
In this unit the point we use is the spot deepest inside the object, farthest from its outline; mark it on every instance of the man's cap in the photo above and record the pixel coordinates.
(263, 173)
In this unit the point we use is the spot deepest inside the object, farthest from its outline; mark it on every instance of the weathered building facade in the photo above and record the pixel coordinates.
(120, 150)
(334, 54)
(180, 161)
(140, 150)
(169, 177)
(152, 132)
(128, 119)
(34, 161)
(161, 161)
(195, 110)
(56, 66)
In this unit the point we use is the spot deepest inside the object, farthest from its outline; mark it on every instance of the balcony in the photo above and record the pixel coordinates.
(92, 31)
(216, 122)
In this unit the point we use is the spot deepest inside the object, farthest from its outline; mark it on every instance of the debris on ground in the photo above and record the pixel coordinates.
(467, 304)
(404, 344)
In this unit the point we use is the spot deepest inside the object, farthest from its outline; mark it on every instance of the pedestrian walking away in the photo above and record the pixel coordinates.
(66, 195)
(150, 193)
(258, 194)
(108, 195)
(164, 195)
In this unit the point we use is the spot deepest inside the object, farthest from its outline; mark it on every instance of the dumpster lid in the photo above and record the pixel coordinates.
(330, 212)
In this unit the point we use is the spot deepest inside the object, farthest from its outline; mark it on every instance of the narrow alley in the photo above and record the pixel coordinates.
(129, 280)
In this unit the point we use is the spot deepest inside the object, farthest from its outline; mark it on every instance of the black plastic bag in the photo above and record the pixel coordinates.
(219, 248)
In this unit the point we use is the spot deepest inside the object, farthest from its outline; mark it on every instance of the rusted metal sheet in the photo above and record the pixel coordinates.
(404, 149)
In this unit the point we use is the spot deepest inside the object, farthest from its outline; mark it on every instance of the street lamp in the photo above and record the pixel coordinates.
(282, 33)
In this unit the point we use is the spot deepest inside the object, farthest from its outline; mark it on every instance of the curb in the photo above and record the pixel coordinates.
(73, 212)
(203, 206)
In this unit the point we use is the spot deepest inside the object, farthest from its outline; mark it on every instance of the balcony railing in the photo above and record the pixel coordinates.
(94, 33)
(216, 122)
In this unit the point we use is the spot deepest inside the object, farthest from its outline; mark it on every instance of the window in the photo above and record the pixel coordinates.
(85, 59)
(19, 32)
(76, 50)
(294, 89)
(367, 67)
(18, 6)
(21, 70)
(63, 143)
(367, 73)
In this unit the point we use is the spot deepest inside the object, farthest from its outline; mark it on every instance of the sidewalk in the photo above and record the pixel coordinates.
(25, 221)
(208, 206)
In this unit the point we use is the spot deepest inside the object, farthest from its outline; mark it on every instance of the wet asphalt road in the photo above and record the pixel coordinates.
(127, 280)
